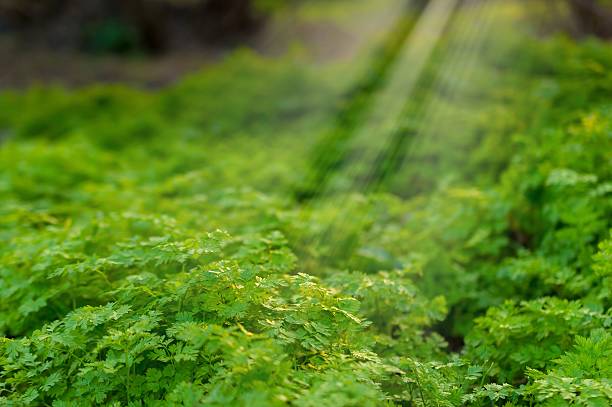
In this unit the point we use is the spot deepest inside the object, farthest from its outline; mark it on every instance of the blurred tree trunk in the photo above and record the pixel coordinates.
(591, 17)
(149, 20)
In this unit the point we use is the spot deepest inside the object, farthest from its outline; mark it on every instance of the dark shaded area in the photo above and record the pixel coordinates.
(592, 17)
(122, 26)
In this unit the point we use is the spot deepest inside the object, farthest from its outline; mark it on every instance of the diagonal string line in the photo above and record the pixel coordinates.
(458, 62)
(407, 70)
(428, 114)
(450, 80)
(330, 152)
(390, 102)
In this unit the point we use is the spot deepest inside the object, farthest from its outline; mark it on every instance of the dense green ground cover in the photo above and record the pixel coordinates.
(153, 253)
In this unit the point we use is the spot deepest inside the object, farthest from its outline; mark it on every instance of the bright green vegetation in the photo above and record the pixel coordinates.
(152, 251)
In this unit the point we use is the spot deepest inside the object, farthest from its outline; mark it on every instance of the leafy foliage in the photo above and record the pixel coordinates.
(152, 252)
